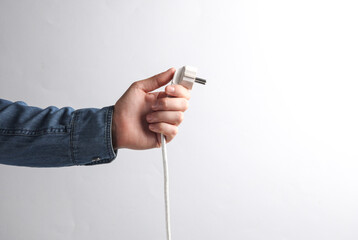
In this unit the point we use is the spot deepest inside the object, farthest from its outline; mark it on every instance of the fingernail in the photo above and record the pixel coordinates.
(171, 89)
(149, 118)
(151, 127)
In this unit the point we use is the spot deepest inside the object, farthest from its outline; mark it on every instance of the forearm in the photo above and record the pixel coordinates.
(53, 137)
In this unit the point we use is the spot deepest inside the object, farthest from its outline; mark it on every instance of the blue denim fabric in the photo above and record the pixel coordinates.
(52, 137)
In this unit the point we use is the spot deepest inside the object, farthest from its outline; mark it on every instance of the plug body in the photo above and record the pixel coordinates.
(186, 76)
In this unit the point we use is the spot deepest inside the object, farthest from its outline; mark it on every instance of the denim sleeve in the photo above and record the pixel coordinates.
(53, 137)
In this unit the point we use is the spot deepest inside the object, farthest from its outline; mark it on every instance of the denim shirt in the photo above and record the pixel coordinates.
(53, 137)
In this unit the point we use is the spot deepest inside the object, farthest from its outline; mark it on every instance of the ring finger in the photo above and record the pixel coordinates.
(171, 117)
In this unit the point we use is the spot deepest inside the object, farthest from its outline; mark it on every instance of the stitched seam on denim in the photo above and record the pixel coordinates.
(113, 151)
(37, 132)
(107, 132)
(72, 147)
(98, 162)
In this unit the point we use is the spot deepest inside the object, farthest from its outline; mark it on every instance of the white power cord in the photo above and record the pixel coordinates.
(166, 186)
(185, 76)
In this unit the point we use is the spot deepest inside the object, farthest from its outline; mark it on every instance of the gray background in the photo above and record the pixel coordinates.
(268, 149)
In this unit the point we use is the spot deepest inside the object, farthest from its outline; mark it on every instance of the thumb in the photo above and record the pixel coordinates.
(156, 81)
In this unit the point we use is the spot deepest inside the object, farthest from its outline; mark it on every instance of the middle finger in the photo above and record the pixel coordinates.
(171, 104)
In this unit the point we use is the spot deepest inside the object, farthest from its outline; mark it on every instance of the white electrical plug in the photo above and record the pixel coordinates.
(185, 76)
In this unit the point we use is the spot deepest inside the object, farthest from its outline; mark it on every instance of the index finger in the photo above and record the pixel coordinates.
(177, 91)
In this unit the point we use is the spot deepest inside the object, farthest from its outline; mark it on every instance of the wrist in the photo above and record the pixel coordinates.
(114, 135)
(117, 131)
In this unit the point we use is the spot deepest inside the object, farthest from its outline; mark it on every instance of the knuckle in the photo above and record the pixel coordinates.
(185, 92)
(164, 103)
(185, 104)
(180, 117)
(174, 131)
(135, 85)
(188, 96)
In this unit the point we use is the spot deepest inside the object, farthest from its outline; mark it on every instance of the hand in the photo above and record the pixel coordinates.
(140, 115)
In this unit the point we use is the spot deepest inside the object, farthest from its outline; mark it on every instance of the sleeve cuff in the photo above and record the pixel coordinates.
(91, 136)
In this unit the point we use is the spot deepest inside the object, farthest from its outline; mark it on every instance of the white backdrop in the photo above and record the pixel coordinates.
(268, 149)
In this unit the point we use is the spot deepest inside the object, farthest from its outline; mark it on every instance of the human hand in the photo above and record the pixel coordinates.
(140, 115)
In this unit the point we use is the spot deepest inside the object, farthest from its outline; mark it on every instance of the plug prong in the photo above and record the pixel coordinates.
(200, 80)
